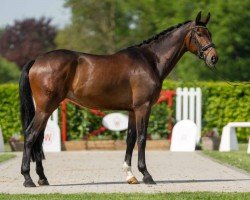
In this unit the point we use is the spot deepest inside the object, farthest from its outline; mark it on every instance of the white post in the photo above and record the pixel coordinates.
(192, 104)
(178, 104)
(229, 140)
(198, 113)
(55, 116)
(52, 136)
(185, 104)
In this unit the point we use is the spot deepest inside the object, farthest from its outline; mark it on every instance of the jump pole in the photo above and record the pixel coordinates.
(64, 120)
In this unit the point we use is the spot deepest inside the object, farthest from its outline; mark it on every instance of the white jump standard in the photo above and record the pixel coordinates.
(229, 140)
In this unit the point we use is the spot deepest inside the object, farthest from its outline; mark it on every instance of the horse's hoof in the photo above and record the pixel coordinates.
(29, 183)
(133, 180)
(147, 179)
(42, 182)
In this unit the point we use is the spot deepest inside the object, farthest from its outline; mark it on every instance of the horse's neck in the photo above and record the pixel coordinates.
(168, 51)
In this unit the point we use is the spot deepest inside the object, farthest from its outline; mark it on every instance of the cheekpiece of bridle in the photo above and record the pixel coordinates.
(200, 49)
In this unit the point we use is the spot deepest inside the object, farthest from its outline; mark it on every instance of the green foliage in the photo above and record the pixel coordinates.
(90, 31)
(9, 71)
(158, 120)
(119, 24)
(221, 104)
(9, 110)
(81, 122)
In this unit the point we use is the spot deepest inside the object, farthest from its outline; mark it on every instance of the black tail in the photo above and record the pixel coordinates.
(27, 108)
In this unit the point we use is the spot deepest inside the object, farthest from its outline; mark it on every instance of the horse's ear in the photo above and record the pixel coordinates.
(207, 19)
(198, 18)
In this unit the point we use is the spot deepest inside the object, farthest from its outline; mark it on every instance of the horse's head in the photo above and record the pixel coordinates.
(199, 41)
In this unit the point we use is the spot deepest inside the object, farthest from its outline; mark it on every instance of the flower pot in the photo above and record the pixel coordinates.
(120, 144)
(16, 145)
(158, 145)
(101, 144)
(74, 145)
(210, 143)
(112, 145)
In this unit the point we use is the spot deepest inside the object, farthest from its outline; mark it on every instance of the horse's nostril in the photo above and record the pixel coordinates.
(214, 59)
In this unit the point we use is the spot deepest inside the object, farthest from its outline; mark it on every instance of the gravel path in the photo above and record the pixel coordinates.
(101, 171)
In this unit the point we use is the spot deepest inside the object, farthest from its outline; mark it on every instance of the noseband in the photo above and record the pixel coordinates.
(200, 49)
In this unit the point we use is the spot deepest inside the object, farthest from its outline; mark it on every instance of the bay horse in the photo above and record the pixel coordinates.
(130, 80)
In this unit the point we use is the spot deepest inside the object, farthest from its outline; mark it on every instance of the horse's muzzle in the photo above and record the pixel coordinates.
(211, 58)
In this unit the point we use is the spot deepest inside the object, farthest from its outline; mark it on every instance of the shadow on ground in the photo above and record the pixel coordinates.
(157, 182)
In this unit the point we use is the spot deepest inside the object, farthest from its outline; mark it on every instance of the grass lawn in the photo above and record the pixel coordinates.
(238, 159)
(134, 196)
(6, 156)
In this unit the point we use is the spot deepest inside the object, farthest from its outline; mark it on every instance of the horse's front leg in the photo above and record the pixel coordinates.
(142, 116)
(131, 139)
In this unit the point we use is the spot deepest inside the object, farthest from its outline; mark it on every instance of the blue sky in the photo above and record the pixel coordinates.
(11, 10)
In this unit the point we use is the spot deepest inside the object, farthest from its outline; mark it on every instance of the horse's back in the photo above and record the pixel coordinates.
(102, 82)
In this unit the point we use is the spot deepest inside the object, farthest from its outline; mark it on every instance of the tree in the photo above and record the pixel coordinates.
(107, 26)
(26, 39)
(1, 31)
(103, 27)
(92, 28)
(9, 71)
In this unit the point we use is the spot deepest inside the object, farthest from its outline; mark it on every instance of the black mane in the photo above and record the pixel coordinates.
(163, 33)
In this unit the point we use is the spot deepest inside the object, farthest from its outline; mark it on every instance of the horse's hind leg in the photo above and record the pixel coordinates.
(39, 165)
(131, 139)
(35, 128)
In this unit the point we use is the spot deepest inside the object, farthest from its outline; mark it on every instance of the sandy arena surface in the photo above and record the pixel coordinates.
(101, 171)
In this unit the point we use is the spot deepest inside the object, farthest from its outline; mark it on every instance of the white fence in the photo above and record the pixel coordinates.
(188, 106)
(54, 116)
(52, 136)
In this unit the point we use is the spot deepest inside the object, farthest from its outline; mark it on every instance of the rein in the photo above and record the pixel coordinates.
(215, 71)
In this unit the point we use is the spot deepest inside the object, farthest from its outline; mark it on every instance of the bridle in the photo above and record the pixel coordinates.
(200, 49)
(202, 55)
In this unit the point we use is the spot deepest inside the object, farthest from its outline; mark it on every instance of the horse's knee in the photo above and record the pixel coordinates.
(141, 140)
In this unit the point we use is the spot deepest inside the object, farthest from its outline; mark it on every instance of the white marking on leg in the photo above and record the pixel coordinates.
(128, 171)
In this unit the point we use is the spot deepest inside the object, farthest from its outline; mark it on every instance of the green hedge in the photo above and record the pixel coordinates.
(9, 110)
(82, 122)
(222, 103)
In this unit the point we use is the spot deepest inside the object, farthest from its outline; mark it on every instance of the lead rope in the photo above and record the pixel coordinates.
(214, 70)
